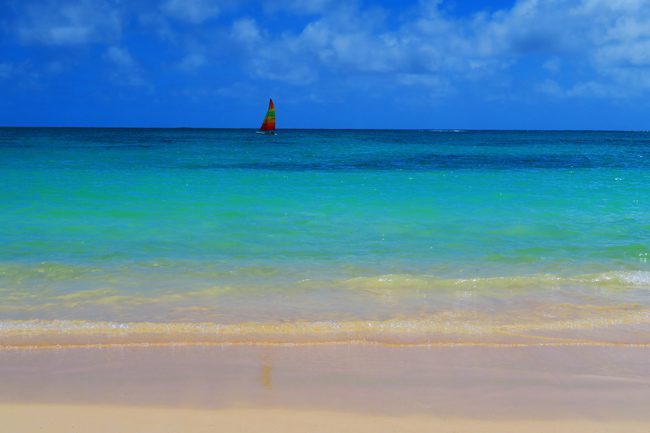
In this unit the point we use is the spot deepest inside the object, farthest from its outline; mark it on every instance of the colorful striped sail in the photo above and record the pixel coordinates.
(269, 120)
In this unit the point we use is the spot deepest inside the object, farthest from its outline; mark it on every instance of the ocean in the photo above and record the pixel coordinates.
(422, 237)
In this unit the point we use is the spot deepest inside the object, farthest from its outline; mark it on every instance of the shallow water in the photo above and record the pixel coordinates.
(477, 228)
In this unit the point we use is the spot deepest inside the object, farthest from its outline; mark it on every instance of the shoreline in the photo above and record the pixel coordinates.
(271, 344)
(629, 330)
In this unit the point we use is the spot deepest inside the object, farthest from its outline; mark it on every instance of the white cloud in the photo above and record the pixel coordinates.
(347, 40)
(271, 59)
(120, 57)
(192, 62)
(564, 48)
(551, 88)
(127, 70)
(69, 23)
(607, 39)
(246, 31)
(193, 11)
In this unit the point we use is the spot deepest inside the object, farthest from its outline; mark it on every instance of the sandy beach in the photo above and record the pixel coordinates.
(109, 419)
(352, 387)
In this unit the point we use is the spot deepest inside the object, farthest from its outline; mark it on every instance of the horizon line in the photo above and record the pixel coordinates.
(455, 130)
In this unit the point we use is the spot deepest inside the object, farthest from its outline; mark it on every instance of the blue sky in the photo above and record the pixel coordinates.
(524, 64)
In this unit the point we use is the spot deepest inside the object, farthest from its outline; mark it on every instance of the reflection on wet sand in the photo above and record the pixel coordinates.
(467, 382)
(266, 371)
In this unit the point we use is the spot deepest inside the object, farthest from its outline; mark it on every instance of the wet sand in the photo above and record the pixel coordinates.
(351, 387)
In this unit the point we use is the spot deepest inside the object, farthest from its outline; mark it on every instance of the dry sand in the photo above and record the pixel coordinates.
(112, 419)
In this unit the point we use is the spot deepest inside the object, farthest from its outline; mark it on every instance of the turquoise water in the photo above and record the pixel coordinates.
(228, 226)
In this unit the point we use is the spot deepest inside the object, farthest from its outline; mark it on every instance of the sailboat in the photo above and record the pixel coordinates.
(268, 126)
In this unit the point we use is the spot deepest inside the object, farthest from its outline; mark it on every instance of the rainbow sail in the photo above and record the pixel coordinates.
(269, 120)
